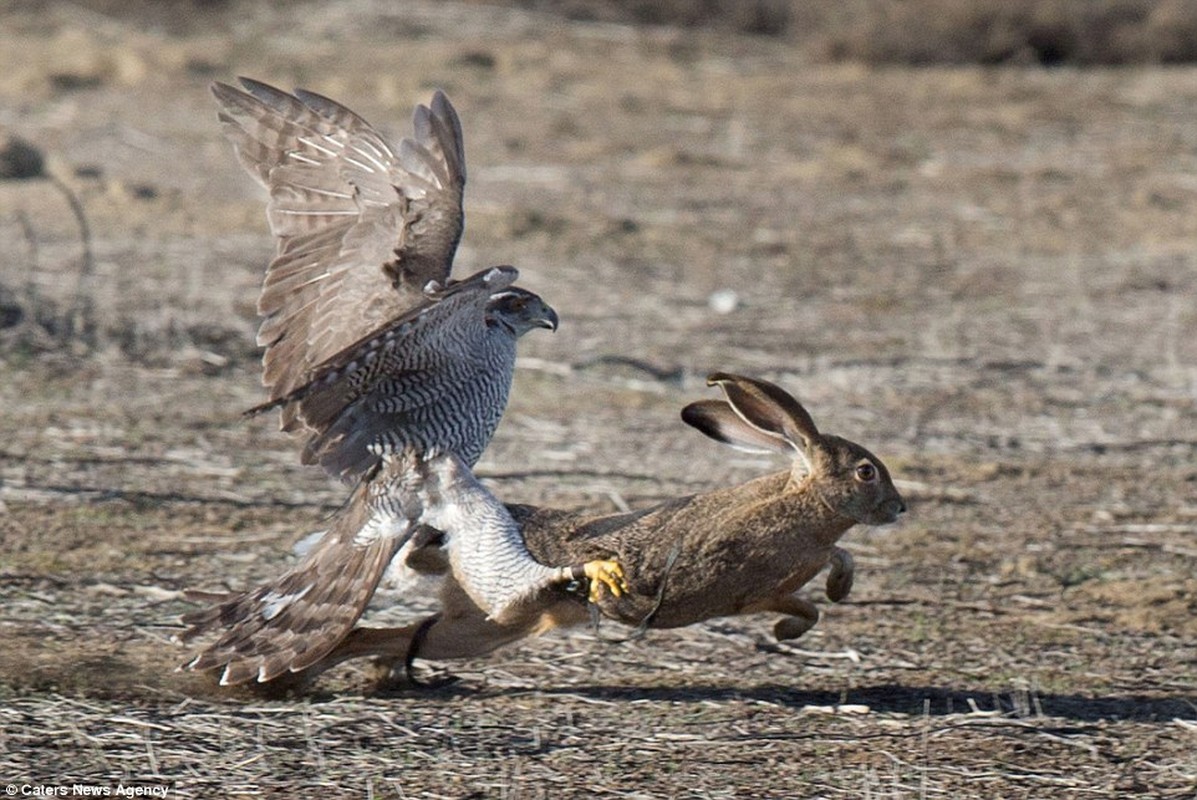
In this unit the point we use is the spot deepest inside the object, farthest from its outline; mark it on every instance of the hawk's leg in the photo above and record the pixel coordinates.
(487, 550)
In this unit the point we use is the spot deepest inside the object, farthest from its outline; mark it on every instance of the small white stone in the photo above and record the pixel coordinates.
(723, 301)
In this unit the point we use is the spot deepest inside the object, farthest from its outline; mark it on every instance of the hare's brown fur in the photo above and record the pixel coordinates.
(718, 553)
(736, 550)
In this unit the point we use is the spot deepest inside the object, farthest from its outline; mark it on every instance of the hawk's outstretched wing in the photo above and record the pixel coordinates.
(369, 346)
(362, 226)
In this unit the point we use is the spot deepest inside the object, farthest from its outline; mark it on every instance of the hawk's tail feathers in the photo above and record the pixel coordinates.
(292, 623)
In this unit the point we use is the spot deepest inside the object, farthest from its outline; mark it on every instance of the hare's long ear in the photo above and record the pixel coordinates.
(768, 408)
(719, 421)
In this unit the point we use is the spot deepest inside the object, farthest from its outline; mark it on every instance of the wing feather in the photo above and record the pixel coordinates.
(361, 226)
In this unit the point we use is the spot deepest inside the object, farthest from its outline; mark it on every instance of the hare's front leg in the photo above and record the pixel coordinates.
(843, 571)
(801, 614)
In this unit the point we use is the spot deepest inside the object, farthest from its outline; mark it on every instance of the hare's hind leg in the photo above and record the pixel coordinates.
(462, 630)
(386, 643)
(381, 643)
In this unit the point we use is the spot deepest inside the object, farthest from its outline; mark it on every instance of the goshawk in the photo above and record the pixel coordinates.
(393, 376)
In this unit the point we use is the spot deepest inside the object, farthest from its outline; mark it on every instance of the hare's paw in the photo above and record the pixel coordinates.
(843, 571)
(803, 616)
(394, 676)
(792, 628)
(608, 573)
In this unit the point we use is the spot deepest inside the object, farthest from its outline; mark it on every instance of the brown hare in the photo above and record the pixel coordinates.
(738, 550)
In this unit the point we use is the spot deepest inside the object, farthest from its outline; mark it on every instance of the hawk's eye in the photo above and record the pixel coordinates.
(866, 472)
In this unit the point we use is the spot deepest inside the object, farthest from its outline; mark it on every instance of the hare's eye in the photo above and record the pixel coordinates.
(866, 472)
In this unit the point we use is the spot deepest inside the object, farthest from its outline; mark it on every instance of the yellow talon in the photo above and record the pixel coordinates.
(605, 573)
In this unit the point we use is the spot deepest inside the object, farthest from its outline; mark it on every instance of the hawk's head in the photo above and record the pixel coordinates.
(520, 311)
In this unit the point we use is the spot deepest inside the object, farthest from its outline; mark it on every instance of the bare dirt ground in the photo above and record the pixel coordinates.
(987, 276)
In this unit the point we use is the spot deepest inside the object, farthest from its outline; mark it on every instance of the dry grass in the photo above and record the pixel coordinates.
(605, 744)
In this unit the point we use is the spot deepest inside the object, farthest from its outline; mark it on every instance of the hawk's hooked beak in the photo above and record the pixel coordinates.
(549, 320)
